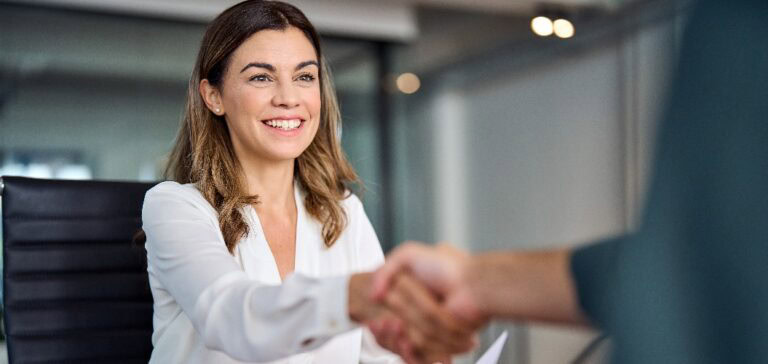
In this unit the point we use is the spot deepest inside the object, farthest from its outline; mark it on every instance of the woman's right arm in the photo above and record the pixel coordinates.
(232, 313)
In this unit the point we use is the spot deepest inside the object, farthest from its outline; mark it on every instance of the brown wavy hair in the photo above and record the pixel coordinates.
(203, 153)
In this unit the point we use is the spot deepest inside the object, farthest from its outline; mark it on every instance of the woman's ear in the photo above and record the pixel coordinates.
(212, 97)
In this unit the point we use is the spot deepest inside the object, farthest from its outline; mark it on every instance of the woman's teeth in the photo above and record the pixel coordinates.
(284, 124)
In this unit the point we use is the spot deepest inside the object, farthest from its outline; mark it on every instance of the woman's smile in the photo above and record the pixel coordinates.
(285, 126)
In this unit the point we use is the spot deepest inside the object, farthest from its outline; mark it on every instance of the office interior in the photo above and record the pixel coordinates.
(466, 120)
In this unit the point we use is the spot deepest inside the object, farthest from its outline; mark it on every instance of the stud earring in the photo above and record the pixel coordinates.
(218, 111)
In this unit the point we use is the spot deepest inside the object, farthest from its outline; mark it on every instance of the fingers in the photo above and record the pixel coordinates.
(389, 334)
(426, 314)
(429, 327)
(400, 259)
(392, 338)
(464, 306)
(440, 268)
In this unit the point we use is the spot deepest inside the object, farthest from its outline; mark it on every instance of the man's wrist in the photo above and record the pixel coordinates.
(474, 278)
(491, 279)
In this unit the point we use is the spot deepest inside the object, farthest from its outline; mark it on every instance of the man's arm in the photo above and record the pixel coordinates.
(516, 285)
(525, 286)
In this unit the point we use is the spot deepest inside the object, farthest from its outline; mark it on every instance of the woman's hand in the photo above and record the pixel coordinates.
(359, 304)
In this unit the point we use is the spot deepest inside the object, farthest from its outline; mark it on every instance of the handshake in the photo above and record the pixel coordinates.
(426, 303)
(420, 304)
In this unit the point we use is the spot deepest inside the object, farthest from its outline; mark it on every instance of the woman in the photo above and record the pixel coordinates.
(259, 192)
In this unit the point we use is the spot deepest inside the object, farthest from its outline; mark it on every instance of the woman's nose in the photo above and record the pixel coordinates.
(285, 96)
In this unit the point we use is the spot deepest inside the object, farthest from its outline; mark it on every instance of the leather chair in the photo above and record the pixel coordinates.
(75, 286)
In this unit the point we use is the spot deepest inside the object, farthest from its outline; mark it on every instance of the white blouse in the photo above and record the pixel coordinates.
(213, 307)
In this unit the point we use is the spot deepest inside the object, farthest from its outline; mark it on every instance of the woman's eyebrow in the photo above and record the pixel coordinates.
(266, 66)
(305, 64)
(271, 68)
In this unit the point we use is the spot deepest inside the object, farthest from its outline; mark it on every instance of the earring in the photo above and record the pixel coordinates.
(218, 110)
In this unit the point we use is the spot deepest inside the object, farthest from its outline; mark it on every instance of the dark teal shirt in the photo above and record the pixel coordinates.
(691, 285)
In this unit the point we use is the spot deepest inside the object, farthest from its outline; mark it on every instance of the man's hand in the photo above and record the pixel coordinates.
(443, 269)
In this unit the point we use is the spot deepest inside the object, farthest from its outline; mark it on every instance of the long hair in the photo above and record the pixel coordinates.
(203, 153)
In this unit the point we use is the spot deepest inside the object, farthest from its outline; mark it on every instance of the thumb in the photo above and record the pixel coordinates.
(464, 306)
(397, 261)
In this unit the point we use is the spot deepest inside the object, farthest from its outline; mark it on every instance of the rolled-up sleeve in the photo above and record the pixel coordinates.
(246, 320)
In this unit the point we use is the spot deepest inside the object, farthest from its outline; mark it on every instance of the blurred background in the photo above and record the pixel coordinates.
(491, 123)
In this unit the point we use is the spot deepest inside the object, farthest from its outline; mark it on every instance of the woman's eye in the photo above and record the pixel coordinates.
(307, 77)
(260, 78)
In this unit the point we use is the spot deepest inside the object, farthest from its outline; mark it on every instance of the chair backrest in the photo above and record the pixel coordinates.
(75, 286)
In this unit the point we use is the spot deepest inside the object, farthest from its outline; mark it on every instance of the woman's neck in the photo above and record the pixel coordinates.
(272, 182)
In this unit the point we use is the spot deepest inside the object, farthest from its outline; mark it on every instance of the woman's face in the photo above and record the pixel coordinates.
(270, 96)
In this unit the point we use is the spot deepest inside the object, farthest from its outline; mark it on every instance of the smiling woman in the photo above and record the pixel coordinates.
(271, 106)
(270, 72)
(254, 247)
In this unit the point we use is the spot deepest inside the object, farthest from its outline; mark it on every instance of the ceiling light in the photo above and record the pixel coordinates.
(408, 83)
(542, 26)
(563, 28)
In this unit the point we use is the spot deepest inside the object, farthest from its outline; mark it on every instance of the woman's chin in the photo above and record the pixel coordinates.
(282, 155)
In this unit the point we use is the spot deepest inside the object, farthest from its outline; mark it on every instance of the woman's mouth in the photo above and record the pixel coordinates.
(284, 124)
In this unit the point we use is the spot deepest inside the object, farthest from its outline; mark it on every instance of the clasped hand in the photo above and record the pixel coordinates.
(418, 304)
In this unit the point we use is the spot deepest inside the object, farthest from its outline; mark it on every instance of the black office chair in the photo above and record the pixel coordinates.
(75, 286)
